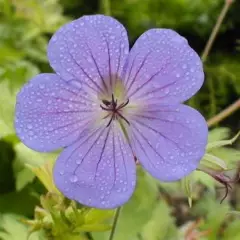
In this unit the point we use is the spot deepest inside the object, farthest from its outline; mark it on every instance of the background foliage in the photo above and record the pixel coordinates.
(158, 211)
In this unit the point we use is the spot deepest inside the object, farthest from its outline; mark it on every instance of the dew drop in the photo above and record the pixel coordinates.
(178, 75)
(76, 84)
(42, 86)
(73, 178)
(166, 91)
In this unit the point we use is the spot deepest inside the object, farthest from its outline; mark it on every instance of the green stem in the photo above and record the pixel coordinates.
(106, 7)
(115, 223)
(89, 236)
(225, 113)
(216, 29)
(7, 8)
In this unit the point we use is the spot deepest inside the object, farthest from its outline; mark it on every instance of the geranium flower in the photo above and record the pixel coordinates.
(107, 107)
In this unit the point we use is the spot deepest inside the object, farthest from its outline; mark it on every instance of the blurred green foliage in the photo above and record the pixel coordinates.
(157, 211)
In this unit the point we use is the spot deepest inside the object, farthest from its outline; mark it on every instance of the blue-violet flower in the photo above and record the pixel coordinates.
(107, 107)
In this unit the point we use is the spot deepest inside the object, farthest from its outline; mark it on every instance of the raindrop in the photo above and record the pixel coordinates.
(73, 178)
(42, 86)
(184, 66)
(76, 84)
(178, 75)
(166, 91)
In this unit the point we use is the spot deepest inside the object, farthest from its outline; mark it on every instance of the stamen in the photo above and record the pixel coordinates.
(111, 107)
(106, 102)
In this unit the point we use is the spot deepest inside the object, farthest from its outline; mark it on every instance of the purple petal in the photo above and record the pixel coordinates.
(162, 67)
(169, 140)
(51, 113)
(92, 49)
(99, 170)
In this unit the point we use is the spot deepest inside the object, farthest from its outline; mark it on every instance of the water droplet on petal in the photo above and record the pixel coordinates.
(73, 178)
(166, 91)
(178, 75)
(42, 86)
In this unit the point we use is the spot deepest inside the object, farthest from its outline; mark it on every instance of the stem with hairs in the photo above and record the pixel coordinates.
(115, 223)
(216, 29)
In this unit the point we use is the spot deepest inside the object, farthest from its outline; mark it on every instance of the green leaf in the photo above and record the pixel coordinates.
(97, 227)
(231, 232)
(205, 179)
(187, 185)
(212, 162)
(27, 156)
(22, 202)
(231, 156)
(97, 215)
(13, 229)
(44, 174)
(214, 212)
(6, 110)
(218, 134)
(23, 177)
(137, 212)
(13, 77)
(161, 226)
(217, 144)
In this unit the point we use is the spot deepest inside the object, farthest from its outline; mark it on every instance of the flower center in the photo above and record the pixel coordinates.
(114, 111)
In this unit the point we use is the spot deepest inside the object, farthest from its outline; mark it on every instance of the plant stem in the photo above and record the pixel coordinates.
(106, 7)
(225, 113)
(216, 29)
(89, 236)
(114, 223)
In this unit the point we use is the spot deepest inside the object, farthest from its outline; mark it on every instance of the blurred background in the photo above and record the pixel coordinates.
(157, 211)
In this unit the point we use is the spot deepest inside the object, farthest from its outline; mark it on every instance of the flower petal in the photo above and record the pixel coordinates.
(162, 67)
(92, 49)
(169, 140)
(51, 113)
(99, 170)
